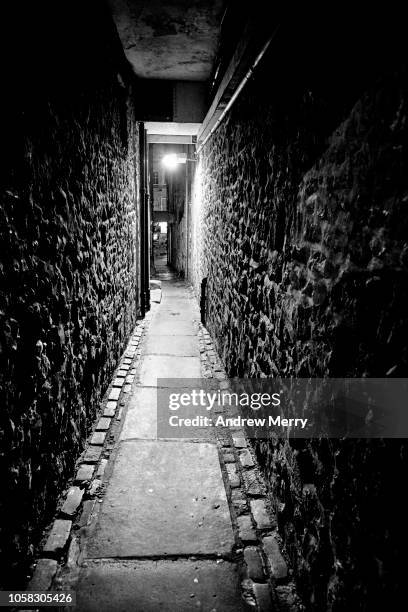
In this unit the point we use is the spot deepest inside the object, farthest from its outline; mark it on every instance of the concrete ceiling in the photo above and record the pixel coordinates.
(169, 39)
(171, 128)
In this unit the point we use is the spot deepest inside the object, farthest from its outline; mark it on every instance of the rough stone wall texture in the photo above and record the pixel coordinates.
(300, 225)
(178, 244)
(69, 262)
(176, 180)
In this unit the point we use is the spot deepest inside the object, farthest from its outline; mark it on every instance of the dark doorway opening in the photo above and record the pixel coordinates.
(160, 244)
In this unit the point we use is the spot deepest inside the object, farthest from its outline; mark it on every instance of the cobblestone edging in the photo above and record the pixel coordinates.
(78, 503)
(266, 580)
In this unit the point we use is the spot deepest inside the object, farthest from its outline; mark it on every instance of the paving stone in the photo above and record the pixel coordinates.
(130, 378)
(101, 468)
(245, 528)
(239, 441)
(260, 514)
(58, 538)
(73, 553)
(156, 295)
(112, 404)
(245, 458)
(239, 502)
(253, 485)
(103, 424)
(87, 509)
(147, 513)
(114, 394)
(233, 475)
(278, 565)
(254, 563)
(220, 375)
(95, 485)
(98, 437)
(178, 346)
(223, 437)
(121, 373)
(168, 586)
(141, 416)
(92, 454)
(127, 361)
(127, 388)
(43, 575)
(85, 472)
(109, 411)
(124, 367)
(229, 458)
(263, 597)
(118, 382)
(164, 366)
(171, 306)
(72, 501)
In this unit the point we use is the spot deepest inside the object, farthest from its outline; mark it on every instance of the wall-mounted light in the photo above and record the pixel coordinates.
(171, 160)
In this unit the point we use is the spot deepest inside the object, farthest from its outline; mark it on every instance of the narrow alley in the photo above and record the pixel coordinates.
(163, 535)
(203, 306)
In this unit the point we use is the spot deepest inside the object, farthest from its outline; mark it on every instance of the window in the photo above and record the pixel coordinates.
(155, 177)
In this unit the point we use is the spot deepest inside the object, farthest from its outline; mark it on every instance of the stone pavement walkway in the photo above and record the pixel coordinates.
(163, 537)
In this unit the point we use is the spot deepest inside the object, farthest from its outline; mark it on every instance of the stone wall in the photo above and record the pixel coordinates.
(176, 181)
(178, 246)
(300, 225)
(69, 262)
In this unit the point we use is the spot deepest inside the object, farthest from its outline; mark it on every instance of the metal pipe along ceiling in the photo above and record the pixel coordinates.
(239, 88)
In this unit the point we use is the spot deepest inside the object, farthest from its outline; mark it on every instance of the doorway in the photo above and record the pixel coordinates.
(160, 244)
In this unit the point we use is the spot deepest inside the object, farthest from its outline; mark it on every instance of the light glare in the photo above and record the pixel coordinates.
(170, 160)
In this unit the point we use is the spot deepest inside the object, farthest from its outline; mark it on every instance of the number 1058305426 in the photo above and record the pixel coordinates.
(37, 598)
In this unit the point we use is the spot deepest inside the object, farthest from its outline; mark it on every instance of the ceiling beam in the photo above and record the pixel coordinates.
(169, 138)
(170, 128)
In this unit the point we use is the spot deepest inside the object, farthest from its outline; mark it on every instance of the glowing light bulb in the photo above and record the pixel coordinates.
(170, 161)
